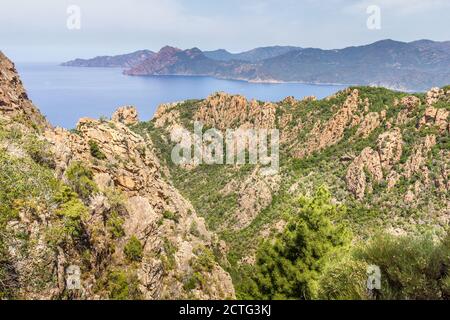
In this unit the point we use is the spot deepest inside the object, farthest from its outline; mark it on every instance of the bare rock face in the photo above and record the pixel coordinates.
(255, 193)
(223, 111)
(436, 117)
(419, 156)
(167, 116)
(374, 163)
(408, 105)
(368, 161)
(132, 167)
(323, 136)
(410, 102)
(434, 95)
(390, 147)
(371, 122)
(127, 115)
(14, 102)
(289, 101)
(310, 98)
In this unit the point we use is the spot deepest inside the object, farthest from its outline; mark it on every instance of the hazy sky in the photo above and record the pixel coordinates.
(33, 30)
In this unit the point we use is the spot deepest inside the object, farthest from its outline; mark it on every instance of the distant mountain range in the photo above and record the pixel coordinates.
(121, 61)
(415, 65)
(254, 55)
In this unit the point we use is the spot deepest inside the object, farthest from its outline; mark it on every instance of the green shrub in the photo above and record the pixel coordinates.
(290, 267)
(95, 150)
(72, 213)
(9, 282)
(80, 179)
(115, 225)
(123, 286)
(194, 229)
(24, 185)
(193, 281)
(169, 215)
(344, 280)
(115, 219)
(133, 249)
(39, 151)
(205, 260)
(412, 268)
(168, 259)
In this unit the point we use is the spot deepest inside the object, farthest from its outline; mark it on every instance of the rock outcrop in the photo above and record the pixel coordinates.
(373, 163)
(127, 115)
(330, 133)
(14, 102)
(436, 117)
(223, 111)
(127, 199)
(133, 168)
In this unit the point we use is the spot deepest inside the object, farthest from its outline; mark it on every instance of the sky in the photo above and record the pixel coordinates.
(34, 31)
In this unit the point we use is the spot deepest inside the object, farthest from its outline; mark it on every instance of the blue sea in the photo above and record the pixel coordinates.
(65, 94)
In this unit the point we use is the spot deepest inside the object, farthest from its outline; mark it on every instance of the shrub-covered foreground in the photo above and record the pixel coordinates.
(311, 259)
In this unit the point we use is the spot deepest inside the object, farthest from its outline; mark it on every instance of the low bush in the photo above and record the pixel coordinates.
(133, 249)
(80, 179)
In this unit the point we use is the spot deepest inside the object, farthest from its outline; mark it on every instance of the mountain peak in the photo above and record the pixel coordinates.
(169, 49)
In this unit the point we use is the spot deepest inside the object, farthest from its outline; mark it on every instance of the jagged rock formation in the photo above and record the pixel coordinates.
(224, 111)
(330, 133)
(374, 163)
(131, 166)
(127, 115)
(14, 102)
(383, 153)
(107, 196)
(131, 232)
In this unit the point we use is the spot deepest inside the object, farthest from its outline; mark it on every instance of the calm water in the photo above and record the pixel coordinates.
(66, 94)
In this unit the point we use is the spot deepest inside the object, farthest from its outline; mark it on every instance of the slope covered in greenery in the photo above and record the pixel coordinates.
(383, 155)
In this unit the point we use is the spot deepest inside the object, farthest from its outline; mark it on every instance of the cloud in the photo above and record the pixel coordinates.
(110, 27)
(398, 7)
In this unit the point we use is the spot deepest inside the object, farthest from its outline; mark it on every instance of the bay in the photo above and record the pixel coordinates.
(66, 94)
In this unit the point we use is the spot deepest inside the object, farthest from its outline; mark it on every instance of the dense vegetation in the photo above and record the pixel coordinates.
(290, 266)
(312, 240)
(282, 268)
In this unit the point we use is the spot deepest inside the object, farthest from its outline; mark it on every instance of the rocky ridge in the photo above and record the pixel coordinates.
(129, 203)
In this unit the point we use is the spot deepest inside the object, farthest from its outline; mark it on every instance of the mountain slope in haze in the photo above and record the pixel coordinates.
(398, 65)
(386, 63)
(174, 61)
(414, 66)
(253, 55)
(120, 61)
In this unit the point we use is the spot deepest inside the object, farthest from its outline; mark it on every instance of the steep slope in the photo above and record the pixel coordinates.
(14, 102)
(120, 61)
(383, 154)
(254, 55)
(94, 200)
(173, 61)
(414, 66)
(385, 63)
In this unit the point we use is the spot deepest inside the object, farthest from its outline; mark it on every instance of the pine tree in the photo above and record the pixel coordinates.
(290, 266)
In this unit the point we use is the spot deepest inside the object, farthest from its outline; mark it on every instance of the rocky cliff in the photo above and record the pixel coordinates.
(107, 198)
(383, 154)
(94, 200)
